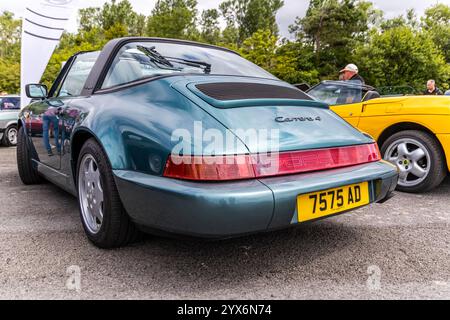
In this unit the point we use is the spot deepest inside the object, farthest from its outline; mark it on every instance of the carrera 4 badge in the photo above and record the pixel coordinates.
(297, 119)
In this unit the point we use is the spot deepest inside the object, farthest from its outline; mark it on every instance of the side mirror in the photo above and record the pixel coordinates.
(36, 91)
(303, 86)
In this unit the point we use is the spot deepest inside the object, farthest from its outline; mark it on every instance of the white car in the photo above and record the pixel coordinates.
(9, 113)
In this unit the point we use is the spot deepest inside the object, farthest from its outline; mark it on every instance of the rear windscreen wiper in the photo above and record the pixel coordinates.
(156, 57)
(198, 64)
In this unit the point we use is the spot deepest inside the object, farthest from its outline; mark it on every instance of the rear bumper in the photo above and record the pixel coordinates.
(221, 210)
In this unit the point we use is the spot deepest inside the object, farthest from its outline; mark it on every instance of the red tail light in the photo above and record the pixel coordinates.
(239, 167)
(210, 168)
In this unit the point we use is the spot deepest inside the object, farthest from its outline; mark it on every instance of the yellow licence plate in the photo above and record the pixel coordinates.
(328, 202)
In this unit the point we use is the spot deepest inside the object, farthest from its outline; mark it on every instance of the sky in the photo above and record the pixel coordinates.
(285, 17)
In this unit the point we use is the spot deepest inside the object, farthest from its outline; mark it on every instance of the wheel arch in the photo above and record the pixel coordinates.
(21, 123)
(12, 123)
(80, 136)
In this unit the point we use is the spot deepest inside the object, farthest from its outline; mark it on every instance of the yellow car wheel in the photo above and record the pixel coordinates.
(419, 159)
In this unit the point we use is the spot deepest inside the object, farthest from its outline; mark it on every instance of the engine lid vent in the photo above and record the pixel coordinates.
(225, 91)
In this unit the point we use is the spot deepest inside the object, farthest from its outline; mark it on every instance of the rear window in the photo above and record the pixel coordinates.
(140, 60)
(9, 103)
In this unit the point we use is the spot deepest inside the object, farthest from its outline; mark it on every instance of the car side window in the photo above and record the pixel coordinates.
(335, 94)
(9, 103)
(349, 95)
(76, 77)
(328, 95)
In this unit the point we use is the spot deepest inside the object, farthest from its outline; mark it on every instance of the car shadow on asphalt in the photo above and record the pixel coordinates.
(238, 260)
(190, 261)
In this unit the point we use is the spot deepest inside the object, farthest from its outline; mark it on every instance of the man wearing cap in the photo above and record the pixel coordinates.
(350, 72)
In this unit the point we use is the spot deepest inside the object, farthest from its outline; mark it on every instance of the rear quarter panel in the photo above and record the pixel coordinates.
(136, 126)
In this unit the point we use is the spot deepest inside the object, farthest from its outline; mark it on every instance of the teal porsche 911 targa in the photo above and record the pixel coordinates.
(185, 138)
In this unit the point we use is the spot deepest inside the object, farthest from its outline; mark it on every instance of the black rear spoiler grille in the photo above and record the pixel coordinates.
(225, 91)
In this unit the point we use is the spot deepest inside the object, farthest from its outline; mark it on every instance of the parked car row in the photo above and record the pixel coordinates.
(9, 114)
(114, 114)
(104, 132)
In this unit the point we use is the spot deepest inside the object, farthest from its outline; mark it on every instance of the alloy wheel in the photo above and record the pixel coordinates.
(411, 158)
(90, 193)
(12, 136)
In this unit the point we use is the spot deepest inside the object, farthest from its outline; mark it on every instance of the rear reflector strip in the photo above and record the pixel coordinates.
(239, 167)
(315, 160)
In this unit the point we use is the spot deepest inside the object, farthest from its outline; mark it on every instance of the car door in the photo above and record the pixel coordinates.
(49, 134)
(45, 122)
(379, 114)
(349, 112)
(45, 129)
(348, 104)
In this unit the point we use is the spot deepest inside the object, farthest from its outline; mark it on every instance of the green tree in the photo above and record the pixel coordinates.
(10, 31)
(295, 63)
(123, 14)
(261, 49)
(289, 61)
(245, 17)
(110, 16)
(209, 24)
(410, 20)
(9, 76)
(401, 56)
(437, 24)
(334, 28)
(173, 19)
(88, 19)
(402, 50)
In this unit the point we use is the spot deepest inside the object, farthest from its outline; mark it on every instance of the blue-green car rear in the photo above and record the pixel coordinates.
(143, 125)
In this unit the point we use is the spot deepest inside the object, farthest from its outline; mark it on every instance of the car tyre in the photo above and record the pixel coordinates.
(27, 170)
(10, 136)
(433, 161)
(105, 221)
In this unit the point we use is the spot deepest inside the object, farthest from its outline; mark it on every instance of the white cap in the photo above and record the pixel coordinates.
(350, 67)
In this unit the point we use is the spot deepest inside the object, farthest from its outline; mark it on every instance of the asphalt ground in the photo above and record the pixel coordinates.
(396, 250)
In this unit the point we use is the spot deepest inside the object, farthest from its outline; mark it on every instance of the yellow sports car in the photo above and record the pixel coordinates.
(413, 132)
